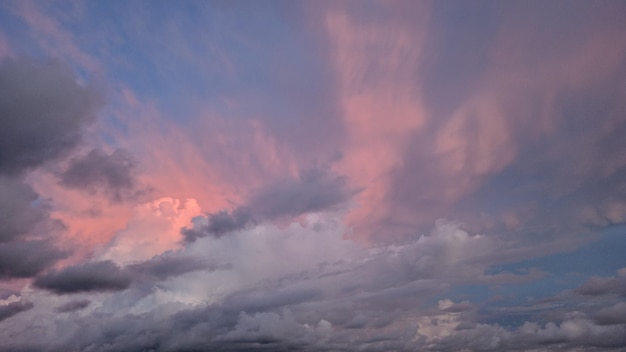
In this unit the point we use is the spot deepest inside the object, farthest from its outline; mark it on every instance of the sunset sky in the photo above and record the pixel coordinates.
(312, 175)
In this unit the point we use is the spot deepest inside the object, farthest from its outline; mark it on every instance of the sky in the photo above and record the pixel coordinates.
(312, 176)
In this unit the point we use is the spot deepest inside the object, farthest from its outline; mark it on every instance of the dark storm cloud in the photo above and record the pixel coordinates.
(14, 308)
(20, 259)
(42, 112)
(73, 306)
(88, 277)
(314, 190)
(112, 173)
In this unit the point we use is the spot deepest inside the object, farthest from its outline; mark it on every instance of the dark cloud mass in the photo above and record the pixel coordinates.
(165, 266)
(88, 277)
(220, 223)
(21, 259)
(113, 173)
(18, 216)
(42, 112)
(107, 276)
(314, 190)
(14, 308)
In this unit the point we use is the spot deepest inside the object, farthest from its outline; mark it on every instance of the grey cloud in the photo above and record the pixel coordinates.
(21, 259)
(11, 309)
(270, 299)
(598, 286)
(73, 306)
(219, 224)
(26, 231)
(113, 173)
(88, 277)
(314, 190)
(165, 266)
(107, 276)
(311, 312)
(613, 315)
(18, 215)
(42, 112)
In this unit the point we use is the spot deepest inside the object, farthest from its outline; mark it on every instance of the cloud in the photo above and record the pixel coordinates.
(113, 173)
(169, 265)
(18, 216)
(73, 306)
(13, 308)
(315, 190)
(333, 295)
(43, 112)
(507, 118)
(218, 224)
(88, 277)
(100, 276)
(483, 135)
(21, 259)
(274, 330)
(598, 286)
(153, 229)
(613, 315)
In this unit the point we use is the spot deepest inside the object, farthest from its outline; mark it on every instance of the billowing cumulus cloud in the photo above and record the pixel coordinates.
(324, 176)
(333, 296)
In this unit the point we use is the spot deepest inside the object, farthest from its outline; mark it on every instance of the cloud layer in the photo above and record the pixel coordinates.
(345, 176)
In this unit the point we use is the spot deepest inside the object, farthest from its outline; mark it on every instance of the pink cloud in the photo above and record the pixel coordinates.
(376, 63)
